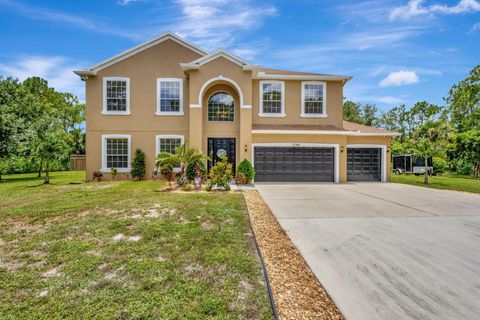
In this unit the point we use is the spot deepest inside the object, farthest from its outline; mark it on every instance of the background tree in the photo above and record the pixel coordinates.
(464, 101)
(351, 112)
(466, 145)
(15, 105)
(428, 146)
(366, 114)
(52, 147)
(31, 113)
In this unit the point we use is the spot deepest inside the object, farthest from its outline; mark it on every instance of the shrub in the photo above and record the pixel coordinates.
(440, 165)
(246, 168)
(182, 157)
(97, 175)
(166, 170)
(463, 167)
(138, 165)
(240, 178)
(114, 173)
(220, 175)
(191, 172)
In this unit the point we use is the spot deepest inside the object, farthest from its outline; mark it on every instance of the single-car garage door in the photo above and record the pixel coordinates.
(364, 164)
(294, 164)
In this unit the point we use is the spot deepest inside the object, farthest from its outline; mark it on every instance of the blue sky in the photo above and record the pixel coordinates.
(397, 51)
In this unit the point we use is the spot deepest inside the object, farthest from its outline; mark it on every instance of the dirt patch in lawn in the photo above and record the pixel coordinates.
(296, 290)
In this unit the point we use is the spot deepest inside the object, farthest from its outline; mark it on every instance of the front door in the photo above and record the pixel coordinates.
(220, 147)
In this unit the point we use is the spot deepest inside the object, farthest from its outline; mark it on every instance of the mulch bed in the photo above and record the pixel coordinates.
(296, 290)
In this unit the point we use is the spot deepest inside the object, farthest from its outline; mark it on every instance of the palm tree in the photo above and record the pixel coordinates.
(428, 147)
(182, 157)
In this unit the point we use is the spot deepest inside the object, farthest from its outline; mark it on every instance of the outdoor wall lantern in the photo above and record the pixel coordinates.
(246, 148)
(342, 148)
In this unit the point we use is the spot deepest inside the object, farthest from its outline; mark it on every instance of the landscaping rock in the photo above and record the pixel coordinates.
(296, 290)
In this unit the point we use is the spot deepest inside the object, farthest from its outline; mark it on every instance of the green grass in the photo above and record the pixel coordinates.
(446, 182)
(66, 252)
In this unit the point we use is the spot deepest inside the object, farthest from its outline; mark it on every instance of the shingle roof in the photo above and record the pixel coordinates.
(349, 128)
(313, 127)
(352, 126)
(289, 72)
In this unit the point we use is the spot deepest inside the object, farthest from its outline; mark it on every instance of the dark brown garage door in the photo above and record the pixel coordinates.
(364, 164)
(294, 164)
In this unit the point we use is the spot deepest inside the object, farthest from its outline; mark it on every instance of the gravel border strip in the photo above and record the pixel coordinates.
(296, 290)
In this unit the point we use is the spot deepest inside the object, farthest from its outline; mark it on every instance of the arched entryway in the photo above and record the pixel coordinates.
(221, 101)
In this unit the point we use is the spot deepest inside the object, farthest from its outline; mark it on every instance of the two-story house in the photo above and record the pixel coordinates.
(168, 91)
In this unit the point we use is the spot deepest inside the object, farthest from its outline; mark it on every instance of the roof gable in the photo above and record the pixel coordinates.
(130, 52)
(214, 56)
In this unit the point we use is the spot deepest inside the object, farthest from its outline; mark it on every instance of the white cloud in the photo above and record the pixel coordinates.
(390, 100)
(58, 71)
(475, 27)
(399, 78)
(415, 8)
(374, 39)
(217, 23)
(127, 2)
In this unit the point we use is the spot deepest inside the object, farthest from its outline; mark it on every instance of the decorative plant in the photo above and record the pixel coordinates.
(246, 168)
(114, 173)
(199, 174)
(138, 165)
(166, 170)
(97, 175)
(182, 157)
(220, 175)
(240, 179)
(192, 171)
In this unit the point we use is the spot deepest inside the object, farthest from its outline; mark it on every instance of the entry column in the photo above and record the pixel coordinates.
(196, 126)
(245, 132)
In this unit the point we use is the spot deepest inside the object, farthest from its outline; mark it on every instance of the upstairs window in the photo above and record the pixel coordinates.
(313, 99)
(272, 99)
(116, 95)
(169, 96)
(221, 107)
(116, 153)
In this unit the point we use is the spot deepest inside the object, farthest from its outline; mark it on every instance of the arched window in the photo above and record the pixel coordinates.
(221, 107)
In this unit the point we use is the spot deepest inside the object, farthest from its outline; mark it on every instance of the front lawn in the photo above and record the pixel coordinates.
(122, 250)
(447, 182)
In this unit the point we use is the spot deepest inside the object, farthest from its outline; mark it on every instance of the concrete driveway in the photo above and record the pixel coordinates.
(384, 250)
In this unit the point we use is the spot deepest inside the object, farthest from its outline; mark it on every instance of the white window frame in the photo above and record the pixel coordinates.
(271, 115)
(166, 136)
(115, 113)
(170, 113)
(104, 152)
(324, 101)
(234, 116)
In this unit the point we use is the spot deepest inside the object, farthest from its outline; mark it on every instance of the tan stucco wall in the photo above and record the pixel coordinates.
(225, 68)
(160, 61)
(293, 101)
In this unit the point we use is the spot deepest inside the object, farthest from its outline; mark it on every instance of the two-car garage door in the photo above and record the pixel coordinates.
(294, 164)
(314, 164)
